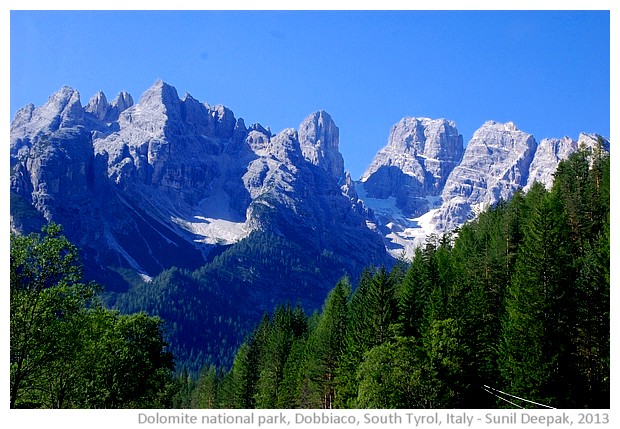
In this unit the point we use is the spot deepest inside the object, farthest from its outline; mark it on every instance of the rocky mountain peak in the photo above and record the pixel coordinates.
(505, 126)
(590, 141)
(495, 164)
(411, 134)
(552, 150)
(191, 176)
(63, 100)
(98, 105)
(63, 109)
(548, 155)
(122, 102)
(418, 146)
(415, 163)
(319, 138)
(161, 98)
(157, 106)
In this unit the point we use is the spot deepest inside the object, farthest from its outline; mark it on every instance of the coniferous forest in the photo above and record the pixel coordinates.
(517, 300)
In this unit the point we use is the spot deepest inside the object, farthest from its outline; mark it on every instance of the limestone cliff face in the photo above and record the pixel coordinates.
(164, 181)
(495, 164)
(167, 181)
(415, 164)
(423, 182)
(551, 151)
(319, 138)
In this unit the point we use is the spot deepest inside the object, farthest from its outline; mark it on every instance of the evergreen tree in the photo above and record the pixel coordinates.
(520, 299)
(206, 394)
(183, 388)
(284, 329)
(534, 342)
(381, 305)
(391, 376)
(582, 195)
(292, 377)
(442, 365)
(325, 347)
(413, 296)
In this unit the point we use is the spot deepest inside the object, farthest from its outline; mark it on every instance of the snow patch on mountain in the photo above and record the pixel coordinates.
(213, 230)
(402, 234)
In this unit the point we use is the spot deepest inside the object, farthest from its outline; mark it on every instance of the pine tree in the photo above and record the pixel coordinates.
(324, 351)
(292, 377)
(360, 337)
(534, 344)
(381, 305)
(584, 201)
(240, 384)
(442, 365)
(206, 394)
(278, 343)
(413, 296)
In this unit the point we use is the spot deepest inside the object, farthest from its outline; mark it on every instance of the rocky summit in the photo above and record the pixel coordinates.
(495, 164)
(415, 164)
(173, 182)
(182, 210)
(423, 182)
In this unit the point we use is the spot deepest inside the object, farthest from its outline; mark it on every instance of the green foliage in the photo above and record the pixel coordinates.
(391, 376)
(324, 350)
(556, 327)
(206, 394)
(66, 350)
(209, 311)
(519, 300)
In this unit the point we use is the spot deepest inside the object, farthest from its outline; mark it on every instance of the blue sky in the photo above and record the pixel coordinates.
(547, 71)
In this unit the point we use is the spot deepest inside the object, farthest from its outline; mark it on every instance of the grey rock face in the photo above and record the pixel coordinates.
(319, 138)
(410, 194)
(416, 162)
(546, 159)
(98, 106)
(62, 110)
(122, 102)
(164, 181)
(51, 150)
(551, 151)
(161, 182)
(495, 164)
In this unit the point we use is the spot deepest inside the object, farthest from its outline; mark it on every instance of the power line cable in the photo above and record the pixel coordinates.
(522, 399)
(503, 399)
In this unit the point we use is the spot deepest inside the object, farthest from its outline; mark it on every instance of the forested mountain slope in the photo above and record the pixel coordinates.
(518, 302)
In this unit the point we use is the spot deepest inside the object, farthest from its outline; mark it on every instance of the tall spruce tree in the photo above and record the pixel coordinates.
(534, 345)
(206, 393)
(324, 350)
(359, 339)
(413, 296)
(278, 343)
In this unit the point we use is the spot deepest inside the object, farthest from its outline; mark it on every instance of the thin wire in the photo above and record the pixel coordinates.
(513, 396)
(503, 399)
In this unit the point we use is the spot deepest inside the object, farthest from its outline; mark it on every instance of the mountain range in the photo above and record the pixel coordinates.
(171, 183)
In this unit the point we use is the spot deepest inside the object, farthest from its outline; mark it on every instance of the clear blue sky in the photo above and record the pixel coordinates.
(547, 71)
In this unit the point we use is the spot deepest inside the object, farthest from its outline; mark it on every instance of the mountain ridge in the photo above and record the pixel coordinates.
(249, 217)
(498, 160)
(190, 173)
(424, 165)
